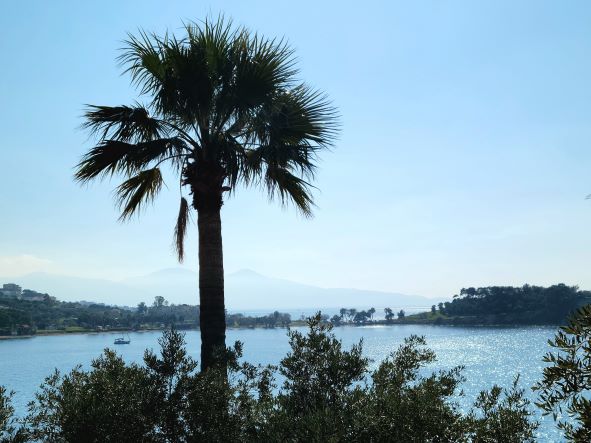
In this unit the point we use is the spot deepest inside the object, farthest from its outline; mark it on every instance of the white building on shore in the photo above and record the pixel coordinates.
(11, 290)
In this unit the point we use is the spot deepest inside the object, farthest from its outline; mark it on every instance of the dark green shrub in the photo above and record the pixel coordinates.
(321, 396)
(326, 393)
(502, 415)
(10, 431)
(403, 405)
(565, 387)
(113, 402)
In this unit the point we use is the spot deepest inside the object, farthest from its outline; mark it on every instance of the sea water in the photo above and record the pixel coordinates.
(490, 355)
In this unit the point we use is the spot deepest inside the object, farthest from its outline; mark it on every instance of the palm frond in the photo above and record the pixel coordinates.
(133, 193)
(289, 132)
(312, 116)
(280, 182)
(163, 68)
(103, 160)
(124, 123)
(113, 156)
(300, 158)
(261, 67)
(301, 115)
(180, 229)
(143, 58)
(173, 149)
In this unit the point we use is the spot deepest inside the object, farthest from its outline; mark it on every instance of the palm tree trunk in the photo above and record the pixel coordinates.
(212, 314)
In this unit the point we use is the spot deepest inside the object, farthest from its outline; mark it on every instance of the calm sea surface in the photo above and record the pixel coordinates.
(490, 355)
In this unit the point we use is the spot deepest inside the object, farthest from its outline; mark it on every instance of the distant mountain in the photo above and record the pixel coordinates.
(248, 289)
(245, 290)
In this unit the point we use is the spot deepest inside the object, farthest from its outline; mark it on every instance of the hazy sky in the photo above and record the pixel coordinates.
(464, 158)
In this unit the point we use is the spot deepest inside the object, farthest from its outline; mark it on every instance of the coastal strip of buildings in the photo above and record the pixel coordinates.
(12, 290)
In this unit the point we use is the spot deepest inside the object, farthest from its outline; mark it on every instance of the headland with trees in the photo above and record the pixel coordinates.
(22, 317)
(493, 305)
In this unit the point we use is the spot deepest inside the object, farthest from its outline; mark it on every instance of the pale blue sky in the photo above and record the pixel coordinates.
(464, 158)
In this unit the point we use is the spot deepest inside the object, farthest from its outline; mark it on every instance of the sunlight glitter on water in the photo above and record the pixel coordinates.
(490, 355)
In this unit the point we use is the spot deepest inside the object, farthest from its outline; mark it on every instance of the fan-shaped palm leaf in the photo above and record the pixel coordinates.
(138, 190)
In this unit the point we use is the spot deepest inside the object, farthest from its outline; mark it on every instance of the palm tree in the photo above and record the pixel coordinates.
(225, 110)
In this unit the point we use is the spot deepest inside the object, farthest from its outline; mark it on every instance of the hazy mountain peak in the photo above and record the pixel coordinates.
(171, 272)
(245, 289)
(246, 273)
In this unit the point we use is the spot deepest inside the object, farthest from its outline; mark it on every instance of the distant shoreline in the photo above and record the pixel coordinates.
(493, 307)
(298, 323)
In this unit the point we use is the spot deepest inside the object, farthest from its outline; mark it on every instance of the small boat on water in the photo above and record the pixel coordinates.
(122, 340)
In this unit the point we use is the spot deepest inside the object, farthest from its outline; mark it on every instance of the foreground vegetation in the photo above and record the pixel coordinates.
(565, 387)
(318, 392)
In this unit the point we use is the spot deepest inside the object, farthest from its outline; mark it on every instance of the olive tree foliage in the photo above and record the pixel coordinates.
(6, 410)
(403, 405)
(164, 400)
(9, 429)
(320, 391)
(111, 402)
(321, 395)
(565, 390)
(502, 415)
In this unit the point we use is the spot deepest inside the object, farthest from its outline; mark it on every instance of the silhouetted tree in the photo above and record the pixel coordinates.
(142, 308)
(336, 320)
(389, 314)
(361, 317)
(527, 304)
(225, 109)
(343, 313)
